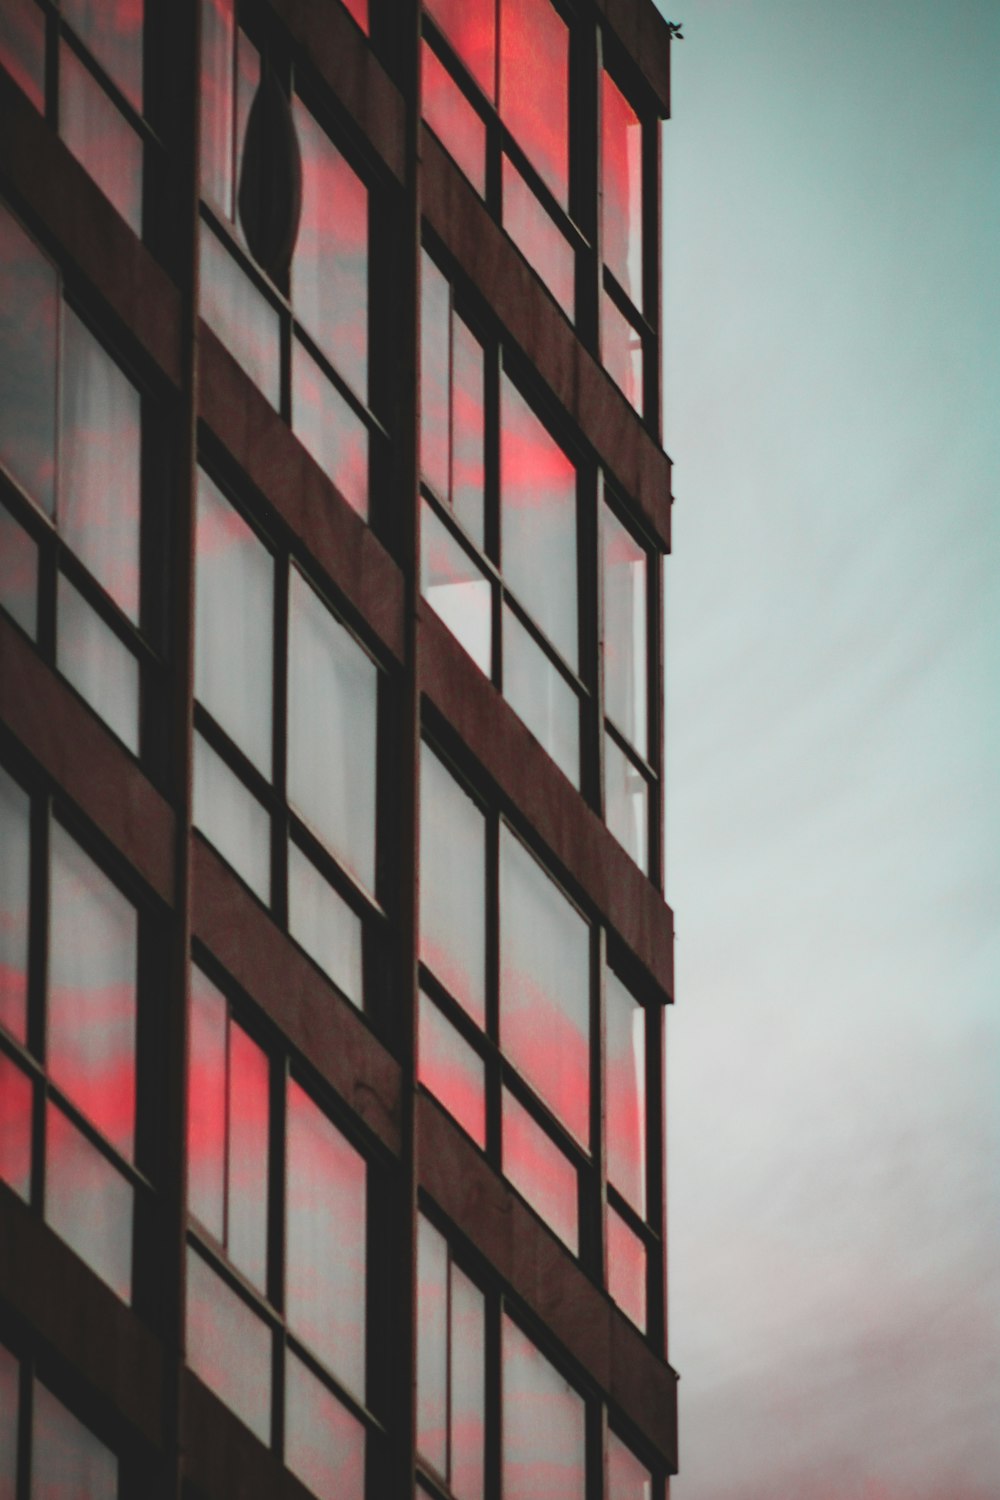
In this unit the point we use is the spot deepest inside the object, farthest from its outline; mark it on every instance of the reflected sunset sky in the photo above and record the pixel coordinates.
(832, 208)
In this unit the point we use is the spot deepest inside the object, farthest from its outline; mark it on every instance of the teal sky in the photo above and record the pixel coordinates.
(832, 337)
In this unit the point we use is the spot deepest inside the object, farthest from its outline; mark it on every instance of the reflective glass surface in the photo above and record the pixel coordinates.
(470, 26)
(452, 1070)
(628, 1479)
(543, 1425)
(626, 802)
(228, 1347)
(332, 710)
(328, 929)
(625, 1090)
(452, 395)
(88, 1202)
(15, 1128)
(540, 1172)
(623, 584)
(90, 1046)
(330, 264)
(22, 49)
(18, 574)
(467, 429)
(67, 1461)
(538, 692)
(98, 663)
(100, 138)
(626, 1269)
(359, 10)
(621, 350)
(246, 1175)
(206, 1127)
(452, 885)
(234, 624)
(329, 429)
(621, 188)
(112, 31)
(468, 1387)
(534, 87)
(544, 986)
(539, 240)
(435, 378)
(453, 120)
(216, 103)
(14, 895)
(9, 1405)
(99, 463)
(325, 1240)
(240, 314)
(538, 521)
(432, 1345)
(232, 819)
(456, 589)
(29, 314)
(324, 1443)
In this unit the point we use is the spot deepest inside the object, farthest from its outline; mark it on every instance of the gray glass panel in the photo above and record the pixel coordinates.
(240, 315)
(247, 1156)
(538, 238)
(113, 33)
(88, 1203)
(216, 101)
(67, 1461)
(15, 1127)
(626, 1269)
(468, 1388)
(22, 49)
(625, 1090)
(98, 664)
(329, 429)
(432, 1345)
(628, 1479)
(452, 885)
(452, 1070)
(541, 1173)
(468, 420)
(623, 567)
(228, 1347)
(14, 892)
(435, 378)
(622, 352)
(543, 1425)
(626, 802)
(206, 1133)
(232, 819)
(9, 1403)
(328, 929)
(324, 1443)
(537, 691)
(100, 138)
(456, 590)
(18, 573)
(29, 313)
(234, 624)
(332, 709)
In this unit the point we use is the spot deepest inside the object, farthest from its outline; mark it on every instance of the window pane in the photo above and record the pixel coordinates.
(325, 1239)
(435, 378)
(241, 316)
(625, 1090)
(328, 929)
(626, 802)
(232, 819)
(216, 102)
(452, 1070)
(470, 28)
(626, 1269)
(324, 1443)
(468, 1387)
(100, 138)
(538, 521)
(14, 895)
(453, 120)
(359, 10)
(628, 1479)
(234, 624)
(623, 583)
(18, 573)
(455, 589)
(98, 663)
(99, 464)
(28, 332)
(206, 1132)
(247, 84)
(246, 1230)
(538, 692)
(621, 350)
(22, 47)
(9, 1403)
(91, 999)
(67, 1460)
(88, 1203)
(540, 1172)
(452, 885)
(329, 429)
(534, 86)
(228, 1347)
(539, 240)
(544, 986)
(112, 30)
(621, 184)
(432, 1345)
(452, 404)
(15, 1134)
(330, 265)
(468, 426)
(332, 706)
(543, 1425)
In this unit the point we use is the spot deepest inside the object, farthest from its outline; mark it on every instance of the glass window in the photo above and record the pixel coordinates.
(539, 693)
(67, 1460)
(332, 708)
(452, 421)
(88, 1202)
(470, 26)
(22, 47)
(544, 1435)
(113, 33)
(452, 886)
(453, 120)
(10, 1379)
(626, 802)
(241, 316)
(451, 1367)
(625, 1091)
(628, 1479)
(15, 1130)
(468, 1388)
(207, 1107)
(540, 1172)
(534, 87)
(626, 1269)
(18, 573)
(435, 378)
(15, 836)
(328, 929)
(99, 137)
(246, 1156)
(216, 102)
(432, 1345)
(621, 183)
(29, 314)
(98, 663)
(544, 986)
(623, 582)
(324, 1443)
(621, 348)
(456, 589)
(538, 238)
(325, 1240)
(329, 429)
(467, 429)
(232, 819)
(452, 1070)
(228, 1346)
(359, 10)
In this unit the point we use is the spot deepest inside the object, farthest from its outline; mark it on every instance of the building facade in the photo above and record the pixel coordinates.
(333, 949)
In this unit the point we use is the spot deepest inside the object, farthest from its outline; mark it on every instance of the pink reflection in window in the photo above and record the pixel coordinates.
(452, 1070)
(18, 586)
(15, 810)
(468, 1388)
(206, 1126)
(100, 138)
(626, 1269)
(330, 265)
(22, 47)
(112, 31)
(331, 431)
(455, 589)
(325, 1238)
(216, 103)
(621, 350)
(91, 998)
(538, 238)
(246, 1228)
(467, 429)
(628, 1479)
(88, 1202)
(625, 1091)
(432, 1345)
(435, 378)
(15, 1127)
(10, 1379)
(228, 1346)
(534, 87)
(453, 120)
(621, 183)
(539, 1170)
(67, 1461)
(543, 1425)
(29, 313)
(359, 10)
(452, 885)
(470, 26)
(324, 1443)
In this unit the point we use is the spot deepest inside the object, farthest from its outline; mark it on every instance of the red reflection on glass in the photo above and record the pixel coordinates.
(539, 1170)
(359, 10)
(216, 103)
(628, 1479)
(324, 1444)
(626, 1269)
(14, 893)
(621, 182)
(206, 1126)
(15, 1127)
(534, 87)
(112, 29)
(468, 1388)
(467, 429)
(538, 238)
(470, 26)
(435, 377)
(453, 120)
(29, 313)
(100, 138)
(625, 1091)
(67, 1460)
(331, 431)
(246, 1161)
(22, 47)
(452, 1070)
(432, 1345)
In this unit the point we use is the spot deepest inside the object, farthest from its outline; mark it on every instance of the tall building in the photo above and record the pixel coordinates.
(333, 950)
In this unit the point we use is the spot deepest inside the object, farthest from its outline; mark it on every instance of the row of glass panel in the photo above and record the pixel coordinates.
(51, 1455)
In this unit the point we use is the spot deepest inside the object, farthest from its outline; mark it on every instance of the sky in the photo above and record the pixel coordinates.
(832, 407)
